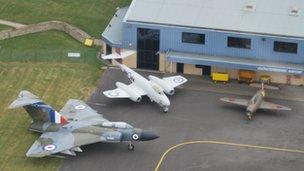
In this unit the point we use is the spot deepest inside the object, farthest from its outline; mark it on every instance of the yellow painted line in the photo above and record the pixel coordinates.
(227, 144)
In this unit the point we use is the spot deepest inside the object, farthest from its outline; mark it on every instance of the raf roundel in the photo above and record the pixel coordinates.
(135, 137)
(178, 80)
(80, 107)
(49, 147)
(114, 94)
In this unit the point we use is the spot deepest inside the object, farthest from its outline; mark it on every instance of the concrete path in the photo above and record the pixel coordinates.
(21, 29)
(11, 24)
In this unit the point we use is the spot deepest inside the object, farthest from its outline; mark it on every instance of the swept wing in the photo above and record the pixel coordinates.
(50, 143)
(79, 110)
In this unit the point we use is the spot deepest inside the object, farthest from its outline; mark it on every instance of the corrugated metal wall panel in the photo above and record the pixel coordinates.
(215, 43)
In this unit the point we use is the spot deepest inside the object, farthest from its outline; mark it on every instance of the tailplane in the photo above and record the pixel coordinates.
(120, 55)
(37, 109)
(263, 86)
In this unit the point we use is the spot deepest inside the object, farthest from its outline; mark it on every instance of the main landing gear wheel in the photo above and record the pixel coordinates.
(250, 117)
(131, 147)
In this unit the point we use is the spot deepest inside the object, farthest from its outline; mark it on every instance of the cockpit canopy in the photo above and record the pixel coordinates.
(120, 125)
(158, 89)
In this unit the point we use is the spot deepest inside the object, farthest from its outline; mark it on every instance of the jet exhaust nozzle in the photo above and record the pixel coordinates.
(172, 92)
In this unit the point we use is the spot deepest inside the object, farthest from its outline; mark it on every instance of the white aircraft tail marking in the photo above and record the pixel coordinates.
(263, 86)
(122, 55)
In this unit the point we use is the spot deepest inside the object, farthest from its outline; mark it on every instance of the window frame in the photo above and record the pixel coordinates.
(238, 44)
(189, 34)
(284, 44)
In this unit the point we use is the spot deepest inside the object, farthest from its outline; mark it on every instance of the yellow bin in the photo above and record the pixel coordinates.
(88, 42)
(220, 77)
(265, 79)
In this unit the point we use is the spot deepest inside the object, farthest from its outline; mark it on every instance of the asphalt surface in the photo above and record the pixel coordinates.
(194, 115)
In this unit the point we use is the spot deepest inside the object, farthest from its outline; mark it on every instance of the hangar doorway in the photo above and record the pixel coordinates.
(179, 67)
(148, 48)
(206, 69)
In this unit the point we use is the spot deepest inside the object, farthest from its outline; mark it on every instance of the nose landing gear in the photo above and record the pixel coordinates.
(131, 147)
(165, 109)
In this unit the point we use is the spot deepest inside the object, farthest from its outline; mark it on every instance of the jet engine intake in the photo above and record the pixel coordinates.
(168, 89)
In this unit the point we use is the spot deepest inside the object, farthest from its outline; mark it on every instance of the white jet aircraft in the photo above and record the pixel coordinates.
(155, 88)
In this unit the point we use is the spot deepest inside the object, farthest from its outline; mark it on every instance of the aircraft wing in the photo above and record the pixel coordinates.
(272, 106)
(50, 143)
(77, 109)
(120, 93)
(241, 102)
(175, 80)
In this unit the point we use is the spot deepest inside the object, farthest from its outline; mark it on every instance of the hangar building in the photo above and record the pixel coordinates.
(204, 36)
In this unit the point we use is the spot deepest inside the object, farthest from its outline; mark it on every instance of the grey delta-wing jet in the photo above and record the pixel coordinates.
(75, 125)
(155, 88)
(256, 102)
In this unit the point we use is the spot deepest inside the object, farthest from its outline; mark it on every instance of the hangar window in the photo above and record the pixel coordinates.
(285, 47)
(108, 49)
(194, 38)
(237, 42)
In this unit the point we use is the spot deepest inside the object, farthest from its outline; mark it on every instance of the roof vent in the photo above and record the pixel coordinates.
(294, 11)
(249, 7)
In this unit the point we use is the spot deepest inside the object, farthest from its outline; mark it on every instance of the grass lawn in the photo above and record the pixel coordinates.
(4, 27)
(47, 46)
(55, 83)
(42, 67)
(91, 16)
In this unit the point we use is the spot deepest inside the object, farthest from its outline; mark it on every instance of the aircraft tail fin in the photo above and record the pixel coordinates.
(263, 86)
(37, 109)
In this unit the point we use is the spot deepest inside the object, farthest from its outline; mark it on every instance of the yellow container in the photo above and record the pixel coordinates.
(246, 76)
(220, 76)
(265, 79)
(88, 42)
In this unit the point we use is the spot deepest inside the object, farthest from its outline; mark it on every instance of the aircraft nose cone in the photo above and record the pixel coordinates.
(148, 135)
(35, 151)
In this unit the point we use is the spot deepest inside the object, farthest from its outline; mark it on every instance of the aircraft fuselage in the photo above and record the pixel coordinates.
(255, 102)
